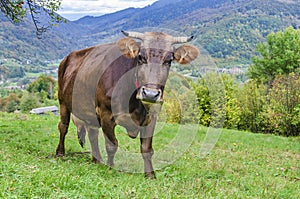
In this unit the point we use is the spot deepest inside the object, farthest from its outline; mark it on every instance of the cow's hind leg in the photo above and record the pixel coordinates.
(63, 129)
(93, 137)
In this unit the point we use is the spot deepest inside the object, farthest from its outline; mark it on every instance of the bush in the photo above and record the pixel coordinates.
(251, 106)
(29, 101)
(204, 105)
(171, 108)
(217, 101)
(10, 103)
(233, 107)
(180, 101)
(281, 116)
(252, 101)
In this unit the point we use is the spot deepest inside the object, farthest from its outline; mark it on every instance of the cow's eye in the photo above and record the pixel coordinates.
(142, 60)
(168, 60)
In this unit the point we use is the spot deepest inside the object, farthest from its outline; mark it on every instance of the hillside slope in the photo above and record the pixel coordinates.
(241, 165)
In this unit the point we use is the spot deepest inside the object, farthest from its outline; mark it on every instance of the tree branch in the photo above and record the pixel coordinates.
(15, 12)
(33, 8)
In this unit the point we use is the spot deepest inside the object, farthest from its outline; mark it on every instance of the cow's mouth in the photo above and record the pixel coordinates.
(150, 95)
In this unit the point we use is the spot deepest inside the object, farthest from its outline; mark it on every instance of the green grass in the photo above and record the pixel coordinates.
(241, 165)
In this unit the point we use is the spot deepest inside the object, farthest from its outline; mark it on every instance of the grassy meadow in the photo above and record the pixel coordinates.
(241, 165)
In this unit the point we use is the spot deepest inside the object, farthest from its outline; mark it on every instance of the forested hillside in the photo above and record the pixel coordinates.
(19, 41)
(228, 29)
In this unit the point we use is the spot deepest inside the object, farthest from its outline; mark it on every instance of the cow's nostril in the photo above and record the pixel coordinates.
(158, 94)
(144, 92)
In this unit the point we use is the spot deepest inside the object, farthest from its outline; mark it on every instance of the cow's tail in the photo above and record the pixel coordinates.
(81, 130)
(81, 135)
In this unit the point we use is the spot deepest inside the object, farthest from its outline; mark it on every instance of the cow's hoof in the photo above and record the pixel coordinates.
(150, 175)
(110, 163)
(96, 161)
(60, 154)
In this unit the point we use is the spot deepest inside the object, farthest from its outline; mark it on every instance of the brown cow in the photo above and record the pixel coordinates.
(120, 83)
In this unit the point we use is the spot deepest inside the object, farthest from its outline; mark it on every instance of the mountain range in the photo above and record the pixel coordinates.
(228, 30)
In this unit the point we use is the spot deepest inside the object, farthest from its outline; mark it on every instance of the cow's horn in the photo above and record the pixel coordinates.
(178, 40)
(136, 35)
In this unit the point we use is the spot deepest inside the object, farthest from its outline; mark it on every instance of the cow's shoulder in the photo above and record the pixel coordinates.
(68, 70)
(72, 62)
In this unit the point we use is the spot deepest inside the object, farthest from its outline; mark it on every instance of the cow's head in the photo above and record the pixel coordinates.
(154, 57)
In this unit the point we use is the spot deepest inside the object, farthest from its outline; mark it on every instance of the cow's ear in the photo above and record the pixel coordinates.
(128, 47)
(186, 53)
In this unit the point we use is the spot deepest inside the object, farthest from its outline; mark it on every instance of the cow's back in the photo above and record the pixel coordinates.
(81, 74)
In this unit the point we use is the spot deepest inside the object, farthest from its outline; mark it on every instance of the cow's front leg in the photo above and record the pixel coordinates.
(146, 148)
(111, 142)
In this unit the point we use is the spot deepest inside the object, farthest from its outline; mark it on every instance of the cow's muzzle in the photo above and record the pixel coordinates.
(150, 94)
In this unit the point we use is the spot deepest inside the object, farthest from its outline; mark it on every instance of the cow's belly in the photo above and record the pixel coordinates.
(86, 115)
(83, 123)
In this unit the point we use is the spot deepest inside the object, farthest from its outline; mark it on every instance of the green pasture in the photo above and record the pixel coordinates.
(240, 165)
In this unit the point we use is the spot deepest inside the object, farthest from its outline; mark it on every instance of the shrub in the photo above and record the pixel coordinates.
(203, 98)
(180, 101)
(171, 108)
(10, 103)
(233, 108)
(252, 100)
(217, 101)
(282, 113)
(29, 101)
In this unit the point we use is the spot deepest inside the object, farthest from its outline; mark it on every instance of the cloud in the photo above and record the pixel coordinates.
(74, 9)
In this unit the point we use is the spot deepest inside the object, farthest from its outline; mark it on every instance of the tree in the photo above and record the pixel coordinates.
(16, 10)
(44, 86)
(280, 55)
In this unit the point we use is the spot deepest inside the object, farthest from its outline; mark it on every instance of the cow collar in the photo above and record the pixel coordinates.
(136, 83)
(136, 77)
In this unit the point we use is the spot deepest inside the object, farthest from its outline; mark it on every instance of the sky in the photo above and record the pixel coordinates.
(75, 9)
